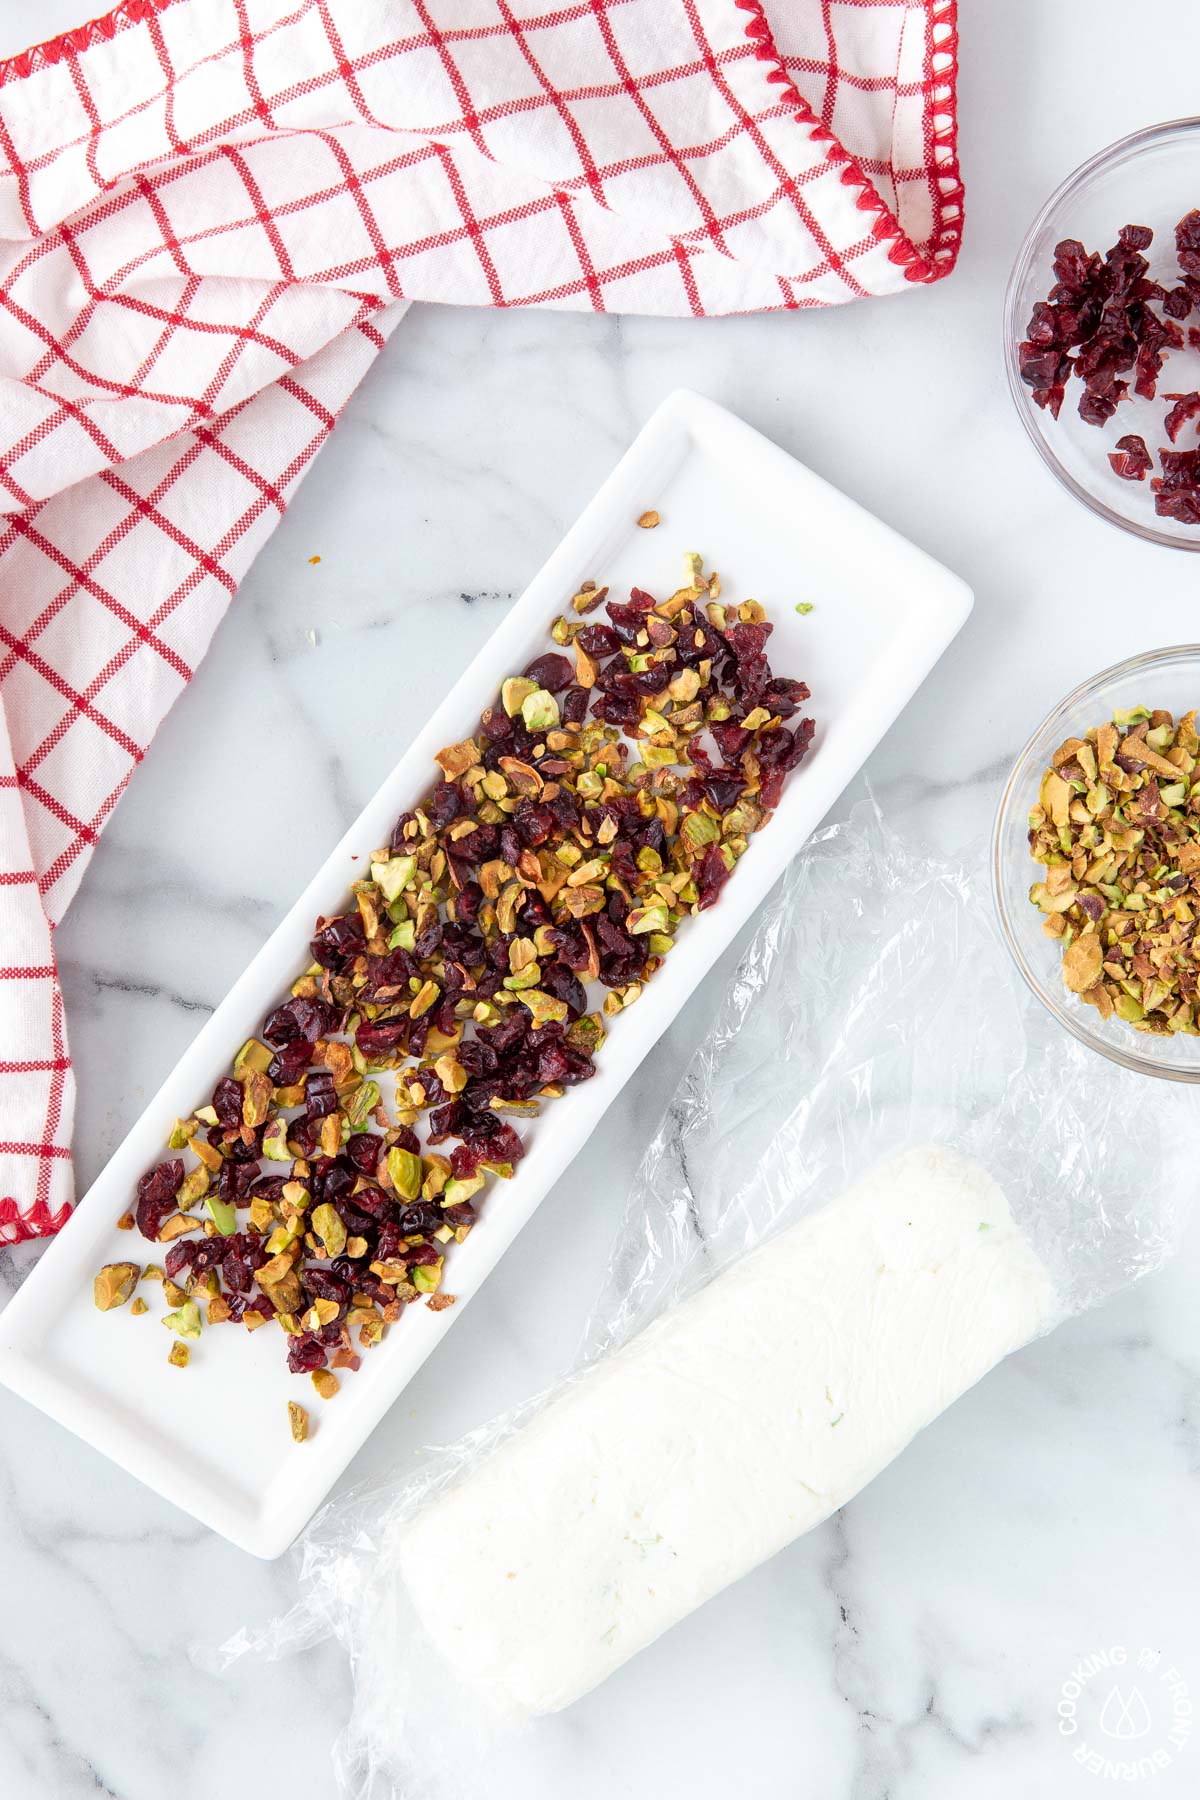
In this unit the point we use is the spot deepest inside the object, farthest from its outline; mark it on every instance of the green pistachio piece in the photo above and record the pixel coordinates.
(1174, 795)
(539, 710)
(114, 1284)
(456, 1190)
(698, 830)
(328, 1226)
(544, 1007)
(404, 936)
(359, 1105)
(405, 1170)
(182, 1133)
(274, 1144)
(586, 1033)
(192, 1187)
(207, 1115)
(393, 876)
(514, 693)
(525, 978)
(1134, 715)
(427, 1276)
(253, 1055)
(646, 918)
(222, 1214)
(186, 1321)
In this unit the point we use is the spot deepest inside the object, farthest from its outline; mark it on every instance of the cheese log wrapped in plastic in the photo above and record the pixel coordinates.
(742, 1417)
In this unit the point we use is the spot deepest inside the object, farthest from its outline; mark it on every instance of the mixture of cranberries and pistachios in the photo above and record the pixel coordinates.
(606, 794)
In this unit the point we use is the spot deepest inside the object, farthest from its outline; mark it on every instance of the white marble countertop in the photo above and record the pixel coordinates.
(915, 1647)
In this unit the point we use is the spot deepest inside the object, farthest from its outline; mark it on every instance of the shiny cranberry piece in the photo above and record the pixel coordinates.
(338, 942)
(156, 1196)
(376, 1037)
(551, 672)
(1131, 459)
(227, 1103)
(300, 1018)
(306, 1354)
(179, 1258)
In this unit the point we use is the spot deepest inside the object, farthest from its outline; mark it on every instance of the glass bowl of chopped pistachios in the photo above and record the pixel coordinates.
(1096, 863)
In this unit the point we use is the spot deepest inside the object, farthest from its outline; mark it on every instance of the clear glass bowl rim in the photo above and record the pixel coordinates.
(1052, 998)
(1014, 332)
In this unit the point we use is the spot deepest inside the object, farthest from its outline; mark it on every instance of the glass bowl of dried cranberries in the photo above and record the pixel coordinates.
(1102, 333)
(1096, 863)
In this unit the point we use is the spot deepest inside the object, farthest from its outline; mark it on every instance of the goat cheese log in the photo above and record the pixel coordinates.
(740, 1418)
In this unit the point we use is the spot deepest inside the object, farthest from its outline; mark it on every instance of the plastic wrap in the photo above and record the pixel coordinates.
(875, 1009)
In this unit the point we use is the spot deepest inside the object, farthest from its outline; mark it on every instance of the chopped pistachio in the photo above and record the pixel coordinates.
(222, 1213)
(297, 1420)
(325, 1382)
(178, 1354)
(274, 1143)
(193, 1186)
(328, 1227)
(253, 1055)
(404, 1168)
(1115, 830)
(186, 1322)
(540, 710)
(515, 692)
(114, 1284)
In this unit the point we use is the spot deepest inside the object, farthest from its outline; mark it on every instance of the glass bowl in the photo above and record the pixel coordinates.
(1167, 678)
(1151, 178)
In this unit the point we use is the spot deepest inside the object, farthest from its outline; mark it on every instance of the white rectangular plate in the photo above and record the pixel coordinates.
(214, 1439)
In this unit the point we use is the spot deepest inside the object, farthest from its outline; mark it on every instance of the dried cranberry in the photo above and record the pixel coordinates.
(558, 980)
(338, 942)
(551, 672)
(461, 1214)
(156, 1196)
(534, 823)
(421, 1216)
(377, 1037)
(712, 876)
(598, 641)
(179, 1257)
(300, 1018)
(319, 1097)
(444, 804)
(227, 1103)
(236, 1181)
(574, 705)
(290, 1061)
(1131, 459)
(306, 1354)
(207, 1255)
(364, 1151)
(1186, 407)
(324, 1284)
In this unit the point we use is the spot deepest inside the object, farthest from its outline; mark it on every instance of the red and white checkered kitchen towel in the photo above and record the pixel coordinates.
(212, 212)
